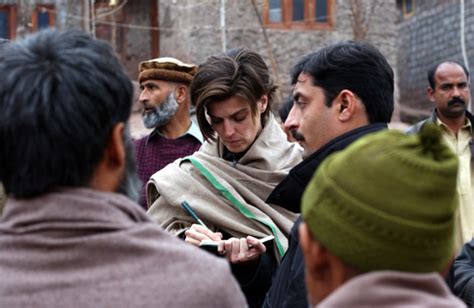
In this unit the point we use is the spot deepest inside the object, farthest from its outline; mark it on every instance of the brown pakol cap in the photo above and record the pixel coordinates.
(167, 68)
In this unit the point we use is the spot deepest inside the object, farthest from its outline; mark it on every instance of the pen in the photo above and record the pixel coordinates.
(193, 214)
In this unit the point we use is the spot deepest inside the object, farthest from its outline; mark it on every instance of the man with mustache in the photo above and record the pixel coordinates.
(449, 90)
(71, 233)
(332, 107)
(165, 98)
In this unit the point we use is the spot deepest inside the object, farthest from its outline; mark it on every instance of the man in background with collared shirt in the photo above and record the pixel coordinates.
(449, 90)
(164, 84)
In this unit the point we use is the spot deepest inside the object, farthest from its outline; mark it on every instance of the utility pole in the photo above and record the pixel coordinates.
(24, 11)
(223, 27)
(92, 7)
(86, 15)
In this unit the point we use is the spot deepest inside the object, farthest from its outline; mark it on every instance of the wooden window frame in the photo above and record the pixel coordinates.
(11, 10)
(38, 9)
(309, 16)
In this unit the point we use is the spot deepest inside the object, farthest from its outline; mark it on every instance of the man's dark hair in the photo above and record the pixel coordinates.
(60, 96)
(355, 66)
(434, 68)
(284, 110)
(298, 67)
(239, 72)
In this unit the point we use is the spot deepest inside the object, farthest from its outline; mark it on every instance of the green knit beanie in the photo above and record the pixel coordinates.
(387, 202)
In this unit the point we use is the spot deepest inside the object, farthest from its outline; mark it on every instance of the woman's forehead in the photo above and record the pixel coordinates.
(228, 107)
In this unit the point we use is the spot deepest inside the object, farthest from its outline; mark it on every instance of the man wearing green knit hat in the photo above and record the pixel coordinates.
(374, 237)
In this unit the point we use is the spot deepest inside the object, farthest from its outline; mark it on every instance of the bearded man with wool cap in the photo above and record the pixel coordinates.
(164, 84)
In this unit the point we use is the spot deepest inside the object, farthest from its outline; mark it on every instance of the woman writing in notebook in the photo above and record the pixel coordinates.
(227, 181)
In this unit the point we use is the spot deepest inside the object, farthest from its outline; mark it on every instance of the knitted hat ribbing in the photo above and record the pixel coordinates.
(169, 69)
(387, 202)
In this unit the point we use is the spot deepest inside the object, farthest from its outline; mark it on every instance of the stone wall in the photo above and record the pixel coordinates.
(132, 34)
(138, 41)
(430, 35)
(191, 30)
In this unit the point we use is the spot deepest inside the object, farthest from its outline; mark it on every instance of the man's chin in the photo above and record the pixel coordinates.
(455, 111)
(147, 126)
(306, 152)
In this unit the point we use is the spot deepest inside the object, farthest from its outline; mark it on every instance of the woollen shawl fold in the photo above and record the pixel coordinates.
(228, 196)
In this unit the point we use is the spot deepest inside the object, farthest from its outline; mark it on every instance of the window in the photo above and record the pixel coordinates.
(43, 17)
(408, 7)
(7, 21)
(298, 14)
(274, 11)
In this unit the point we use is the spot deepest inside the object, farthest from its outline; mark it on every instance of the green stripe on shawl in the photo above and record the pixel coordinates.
(226, 193)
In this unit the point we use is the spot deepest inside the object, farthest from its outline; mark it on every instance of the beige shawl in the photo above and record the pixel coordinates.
(228, 196)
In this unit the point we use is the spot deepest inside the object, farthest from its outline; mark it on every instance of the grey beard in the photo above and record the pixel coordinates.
(161, 114)
(130, 184)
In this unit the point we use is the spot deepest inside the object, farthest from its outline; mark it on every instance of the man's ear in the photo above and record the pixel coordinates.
(116, 146)
(430, 93)
(110, 170)
(313, 251)
(346, 103)
(317, 264)
(181, 93)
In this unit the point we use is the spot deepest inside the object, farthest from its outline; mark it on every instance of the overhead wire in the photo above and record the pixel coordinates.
(98, 20)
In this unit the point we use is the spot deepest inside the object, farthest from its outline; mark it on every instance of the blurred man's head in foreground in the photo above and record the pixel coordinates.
(64, 104)
(387, 202)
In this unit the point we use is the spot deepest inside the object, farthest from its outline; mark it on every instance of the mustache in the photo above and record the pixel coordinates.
(297, 135)
(456, 100)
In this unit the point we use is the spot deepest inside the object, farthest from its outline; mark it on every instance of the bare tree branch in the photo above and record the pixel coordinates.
(361, 17)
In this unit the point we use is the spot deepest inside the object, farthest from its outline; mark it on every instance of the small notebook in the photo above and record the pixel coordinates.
(211, 246)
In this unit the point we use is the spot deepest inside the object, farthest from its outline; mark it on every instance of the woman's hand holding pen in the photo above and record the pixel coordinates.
(198, 233)
(237, 251)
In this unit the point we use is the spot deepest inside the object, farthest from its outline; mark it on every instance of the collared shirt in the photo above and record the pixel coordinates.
(461, 146)
(193, 130)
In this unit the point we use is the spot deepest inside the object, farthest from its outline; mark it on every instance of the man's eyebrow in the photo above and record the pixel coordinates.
(298, 95)
(148, 83)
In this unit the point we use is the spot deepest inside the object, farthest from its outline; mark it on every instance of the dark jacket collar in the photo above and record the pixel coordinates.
(432, 118)
(289, 192)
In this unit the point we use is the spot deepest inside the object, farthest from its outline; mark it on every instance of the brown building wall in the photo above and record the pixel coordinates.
(190, 30)
(128, 28)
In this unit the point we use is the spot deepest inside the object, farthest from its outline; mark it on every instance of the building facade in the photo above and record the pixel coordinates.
(280, 30)
(131, 27)
(412, 34)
